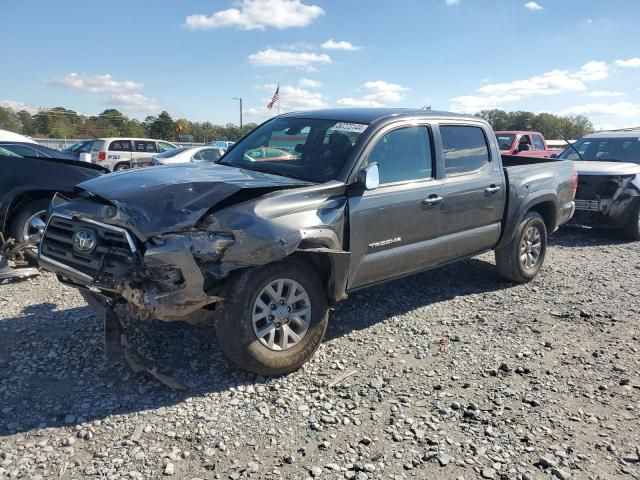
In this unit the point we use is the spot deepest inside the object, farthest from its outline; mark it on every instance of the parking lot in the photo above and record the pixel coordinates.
(449, 374)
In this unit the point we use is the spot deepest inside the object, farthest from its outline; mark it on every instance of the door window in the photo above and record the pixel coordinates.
(403, 154)
(142, 146)
(465, 149)
(120, 146)
(538, 142)
(210, 154)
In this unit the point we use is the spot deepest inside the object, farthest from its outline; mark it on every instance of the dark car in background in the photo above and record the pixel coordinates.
(27, 185)
(25, 149)
(608, 166)
(83, 146)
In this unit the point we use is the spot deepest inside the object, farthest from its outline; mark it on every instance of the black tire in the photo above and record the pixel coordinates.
(508, 258)
(234, 327)
(122, 166)
(632, 230)
(23, 214)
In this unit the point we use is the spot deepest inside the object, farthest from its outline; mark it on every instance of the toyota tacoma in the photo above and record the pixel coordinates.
(261, 246)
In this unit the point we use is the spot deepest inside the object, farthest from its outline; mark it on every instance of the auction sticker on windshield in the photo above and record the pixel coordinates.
(349, 127)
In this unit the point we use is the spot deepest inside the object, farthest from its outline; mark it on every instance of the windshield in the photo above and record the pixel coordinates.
(8, 153)
(612, 149)
(172, 153)
(505, 140)
(309, 149)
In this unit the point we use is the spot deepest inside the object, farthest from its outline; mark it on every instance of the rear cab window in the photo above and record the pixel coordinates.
(538, 142)
(465, 149)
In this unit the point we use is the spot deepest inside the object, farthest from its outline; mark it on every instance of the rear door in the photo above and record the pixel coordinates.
(119, 151)
(143, 150)
(391, 226)
(473, 191)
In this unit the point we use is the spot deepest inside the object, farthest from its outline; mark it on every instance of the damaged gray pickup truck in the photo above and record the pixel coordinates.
(303, 210)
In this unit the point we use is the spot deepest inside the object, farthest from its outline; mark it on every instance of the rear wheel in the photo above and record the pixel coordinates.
(272, 318)
(632, 230)
(521, 260)
(121, 166)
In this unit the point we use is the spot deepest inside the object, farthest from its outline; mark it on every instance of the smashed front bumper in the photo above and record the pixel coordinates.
(162, 279)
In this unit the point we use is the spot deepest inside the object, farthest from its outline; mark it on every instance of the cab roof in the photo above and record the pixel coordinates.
(370, 115)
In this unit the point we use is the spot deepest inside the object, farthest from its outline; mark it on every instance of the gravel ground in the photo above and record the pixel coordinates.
(447, 374)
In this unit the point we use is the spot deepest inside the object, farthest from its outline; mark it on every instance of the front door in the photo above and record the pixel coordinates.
(391, 226)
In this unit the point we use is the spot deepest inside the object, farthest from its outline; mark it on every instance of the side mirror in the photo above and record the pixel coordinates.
(369, 177)
(524, 147)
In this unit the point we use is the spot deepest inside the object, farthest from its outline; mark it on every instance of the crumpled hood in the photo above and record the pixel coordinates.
(156, 200)
(606, 168)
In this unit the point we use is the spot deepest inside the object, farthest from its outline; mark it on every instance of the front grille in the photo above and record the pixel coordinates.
(588, 205)
(111, 259)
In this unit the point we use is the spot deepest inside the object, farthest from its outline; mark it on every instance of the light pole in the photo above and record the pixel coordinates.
(240, 99)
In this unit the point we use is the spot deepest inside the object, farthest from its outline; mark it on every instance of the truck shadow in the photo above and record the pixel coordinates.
(53, 371)
(578, 236)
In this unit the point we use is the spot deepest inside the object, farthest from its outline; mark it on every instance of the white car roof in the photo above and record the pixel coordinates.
(7, 136)
(134, 138)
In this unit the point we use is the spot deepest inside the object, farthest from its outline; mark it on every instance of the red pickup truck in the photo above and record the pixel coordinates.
(514, 142)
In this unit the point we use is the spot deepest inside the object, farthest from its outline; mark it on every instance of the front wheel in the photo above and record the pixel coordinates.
(521, 259)
(272, 318)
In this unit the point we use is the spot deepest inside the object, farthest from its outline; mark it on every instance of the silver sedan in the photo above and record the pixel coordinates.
(188, 154)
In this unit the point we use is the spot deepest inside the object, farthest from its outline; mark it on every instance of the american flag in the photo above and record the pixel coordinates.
(276, 97)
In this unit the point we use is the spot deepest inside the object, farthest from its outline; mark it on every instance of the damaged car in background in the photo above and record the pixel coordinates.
(263, 247)
(608, 165)
(28, 182)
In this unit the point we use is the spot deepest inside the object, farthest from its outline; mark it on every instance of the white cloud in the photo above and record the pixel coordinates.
(451, 2)
(630, 63)
(17, 106)
(495, 95)
(620, 109)
(605, 93)
(476, 103)
(308, 83)
(292, 98)
(282, 58)
(135, 102)
(259, 15)
(533, 6)
(378, 93)
(357, 102)
(95, 83)
(331, 44)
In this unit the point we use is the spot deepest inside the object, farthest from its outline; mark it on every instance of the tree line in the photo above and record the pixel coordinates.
(551, 126)
(60, 122)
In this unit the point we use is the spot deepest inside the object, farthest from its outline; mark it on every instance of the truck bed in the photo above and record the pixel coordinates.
(517, 160)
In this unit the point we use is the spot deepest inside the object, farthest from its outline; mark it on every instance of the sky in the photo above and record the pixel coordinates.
(192, 57)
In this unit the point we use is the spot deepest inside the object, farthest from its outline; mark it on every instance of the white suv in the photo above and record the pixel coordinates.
(121, 153)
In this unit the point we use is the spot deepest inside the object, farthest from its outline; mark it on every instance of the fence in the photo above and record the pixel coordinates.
(62, 143)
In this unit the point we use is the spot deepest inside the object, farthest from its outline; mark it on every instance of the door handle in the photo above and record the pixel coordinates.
(432, 200)
(492, 189)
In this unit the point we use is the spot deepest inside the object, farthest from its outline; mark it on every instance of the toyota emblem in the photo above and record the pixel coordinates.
(84, 240)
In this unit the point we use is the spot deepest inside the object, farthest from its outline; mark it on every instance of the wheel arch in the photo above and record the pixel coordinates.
(17, 201)
(331, 265)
